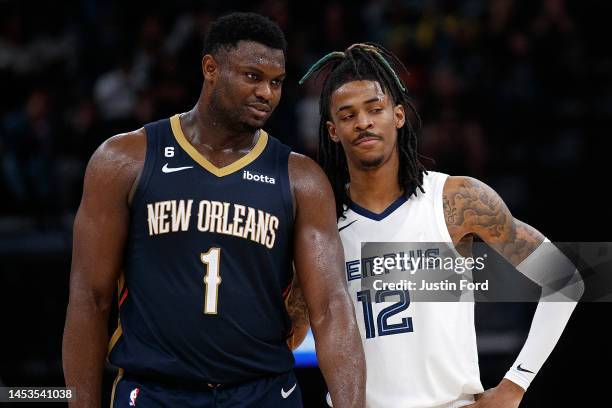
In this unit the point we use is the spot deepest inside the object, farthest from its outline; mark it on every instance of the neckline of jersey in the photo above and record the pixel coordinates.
(378, 216)
(239, 164)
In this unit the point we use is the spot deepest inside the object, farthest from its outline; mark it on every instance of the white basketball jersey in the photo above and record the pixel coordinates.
(434, 362)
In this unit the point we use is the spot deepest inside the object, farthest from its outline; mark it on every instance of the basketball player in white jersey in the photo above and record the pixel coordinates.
(422, 354)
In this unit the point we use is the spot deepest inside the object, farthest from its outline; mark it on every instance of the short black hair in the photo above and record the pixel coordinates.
(370, 62)
(231, 28)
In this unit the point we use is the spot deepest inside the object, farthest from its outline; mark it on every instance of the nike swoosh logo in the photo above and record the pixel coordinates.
(346, 226)
(167, 169)
(288, 393)
(522, 369)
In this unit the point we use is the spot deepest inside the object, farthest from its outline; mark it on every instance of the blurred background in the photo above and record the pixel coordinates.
(515, 93)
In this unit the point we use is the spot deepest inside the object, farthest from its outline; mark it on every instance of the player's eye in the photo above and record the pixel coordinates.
(277, 82)
(376, 110)
(347, 117)
(252, 76)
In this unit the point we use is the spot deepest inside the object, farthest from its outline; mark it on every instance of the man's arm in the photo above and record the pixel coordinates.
(319, 263)
(100, 231)
(473, 208)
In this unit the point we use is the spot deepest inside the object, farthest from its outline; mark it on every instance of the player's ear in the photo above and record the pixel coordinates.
(331, 131)
(400, 115)
(210, 68)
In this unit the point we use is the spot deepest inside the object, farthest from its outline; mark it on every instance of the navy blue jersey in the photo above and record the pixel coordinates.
(208, 264)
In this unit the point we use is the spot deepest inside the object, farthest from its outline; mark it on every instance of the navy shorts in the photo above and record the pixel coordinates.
(280, 391)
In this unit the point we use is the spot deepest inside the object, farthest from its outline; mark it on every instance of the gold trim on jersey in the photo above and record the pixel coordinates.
(117, 379)
(114, 339)
(204, 162)
(119, 330)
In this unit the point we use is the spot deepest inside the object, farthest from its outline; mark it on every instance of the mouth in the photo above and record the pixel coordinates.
(367, 140)
(260, 107)
(260, 111)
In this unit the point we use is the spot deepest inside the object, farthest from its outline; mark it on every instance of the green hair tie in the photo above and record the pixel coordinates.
(339, 54)
(319, 63)
(386, 63)
(376, 51)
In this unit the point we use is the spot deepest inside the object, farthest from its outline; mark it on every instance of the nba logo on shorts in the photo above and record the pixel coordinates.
(133, 396)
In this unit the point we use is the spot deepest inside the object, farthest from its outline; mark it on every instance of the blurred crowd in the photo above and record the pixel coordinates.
(504, 87)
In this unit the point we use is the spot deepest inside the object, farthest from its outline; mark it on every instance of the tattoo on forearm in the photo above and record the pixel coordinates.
(296, 306)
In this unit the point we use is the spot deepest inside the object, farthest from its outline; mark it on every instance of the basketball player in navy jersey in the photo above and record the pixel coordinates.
(420, 354)
(200, 219)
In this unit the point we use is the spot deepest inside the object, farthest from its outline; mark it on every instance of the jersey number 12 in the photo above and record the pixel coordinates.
(384, 327)
(212, 279)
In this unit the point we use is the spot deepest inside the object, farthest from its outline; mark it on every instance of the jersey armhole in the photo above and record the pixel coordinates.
(438, 196)
(147, 167)
(283, 171)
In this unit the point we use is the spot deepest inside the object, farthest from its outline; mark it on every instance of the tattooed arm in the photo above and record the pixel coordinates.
(298, 312)
(473, 208)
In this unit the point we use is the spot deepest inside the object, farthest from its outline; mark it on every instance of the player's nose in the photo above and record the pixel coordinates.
(363, 122)
(264, 91)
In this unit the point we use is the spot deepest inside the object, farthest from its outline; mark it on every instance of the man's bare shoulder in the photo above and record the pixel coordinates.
(456, 183)
(117, 163)
(470, 206)
(305, 173)
(309, 184)
(125, 149)
(470, 194)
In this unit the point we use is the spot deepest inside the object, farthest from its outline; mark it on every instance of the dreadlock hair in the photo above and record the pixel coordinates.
(370, 62)
(226, 31)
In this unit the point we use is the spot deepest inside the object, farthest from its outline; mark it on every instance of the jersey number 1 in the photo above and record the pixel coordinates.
(212, 279)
